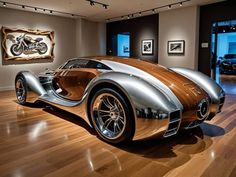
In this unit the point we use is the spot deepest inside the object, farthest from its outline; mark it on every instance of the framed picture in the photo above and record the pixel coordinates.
(27, 45)
(147, 47)
(176, 47)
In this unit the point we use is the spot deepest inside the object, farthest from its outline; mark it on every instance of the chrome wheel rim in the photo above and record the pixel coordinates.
(108, 116)
(20, 90)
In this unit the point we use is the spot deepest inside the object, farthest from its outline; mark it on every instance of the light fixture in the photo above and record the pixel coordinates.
(35, 8)
(148, 11)
(132, 15)
(223, 31)
(93, 2)
(104, 6)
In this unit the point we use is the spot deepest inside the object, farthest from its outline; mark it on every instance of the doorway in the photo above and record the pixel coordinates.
(223, 54)
(121, 45)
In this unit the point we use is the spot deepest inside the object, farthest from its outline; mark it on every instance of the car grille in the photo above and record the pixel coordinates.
(174, 123)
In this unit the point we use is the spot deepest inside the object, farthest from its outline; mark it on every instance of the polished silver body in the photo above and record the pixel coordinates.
(155, 107)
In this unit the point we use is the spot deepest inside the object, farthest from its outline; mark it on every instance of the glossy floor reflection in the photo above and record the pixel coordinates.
(36, 142)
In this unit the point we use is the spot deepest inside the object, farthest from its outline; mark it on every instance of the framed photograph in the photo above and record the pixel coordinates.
(147, 47)
(27, 45)
(176, 47)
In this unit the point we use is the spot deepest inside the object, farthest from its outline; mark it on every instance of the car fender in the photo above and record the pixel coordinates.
(215, 92)
(150, 106)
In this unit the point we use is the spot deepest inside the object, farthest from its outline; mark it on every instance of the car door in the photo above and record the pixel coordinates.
(71, 81)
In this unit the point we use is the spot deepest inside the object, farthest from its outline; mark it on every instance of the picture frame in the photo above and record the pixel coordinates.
(147, 46)
(176, 47)
(27, 46)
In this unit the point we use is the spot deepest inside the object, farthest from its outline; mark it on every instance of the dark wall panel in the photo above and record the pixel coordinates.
(209, 14)
(139, 28)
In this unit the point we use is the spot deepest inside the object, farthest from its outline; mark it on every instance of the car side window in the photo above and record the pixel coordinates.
(97, 65)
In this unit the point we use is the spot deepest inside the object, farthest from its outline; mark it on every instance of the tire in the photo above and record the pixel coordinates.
(43, 48)
(21, 89)
(111, 116)
(14, 50)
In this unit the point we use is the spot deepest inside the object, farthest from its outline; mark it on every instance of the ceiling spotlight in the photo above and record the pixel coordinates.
(108, 20)
(233, 28)
(44, 10)
(4, 4)
(23, 7)
(35, 9)
(153, 11)
(128, 17)
(104, 6)
(91, 3)
(72, 15)
(140, 13)
(169, 7)
(51, 11)
(132, 15)
(223, 31)
(181, 4)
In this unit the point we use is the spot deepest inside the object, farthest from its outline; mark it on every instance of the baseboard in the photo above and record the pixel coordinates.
(7, 88)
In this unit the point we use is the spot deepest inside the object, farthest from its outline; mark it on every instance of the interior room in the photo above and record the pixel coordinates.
(118, 88)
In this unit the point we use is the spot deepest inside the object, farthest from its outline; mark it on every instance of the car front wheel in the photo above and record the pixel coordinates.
(111, 116)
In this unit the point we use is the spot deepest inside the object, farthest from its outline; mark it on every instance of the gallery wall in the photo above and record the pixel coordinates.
(69, 33)
(208, 14)
(90, 38)
(179, 24)
(139, 29)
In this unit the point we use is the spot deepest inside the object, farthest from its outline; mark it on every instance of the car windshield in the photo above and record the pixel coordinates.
(230, 56)
(84, 63)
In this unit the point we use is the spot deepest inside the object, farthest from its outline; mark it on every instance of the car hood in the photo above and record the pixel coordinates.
(233, 60)
(170, 82)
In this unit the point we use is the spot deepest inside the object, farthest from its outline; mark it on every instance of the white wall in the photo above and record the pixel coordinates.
(90, 38)
(179, 24)
(68, 44)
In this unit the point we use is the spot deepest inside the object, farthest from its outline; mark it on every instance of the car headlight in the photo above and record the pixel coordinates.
(226, 63)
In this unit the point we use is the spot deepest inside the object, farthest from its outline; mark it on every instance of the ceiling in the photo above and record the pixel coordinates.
(98, 13)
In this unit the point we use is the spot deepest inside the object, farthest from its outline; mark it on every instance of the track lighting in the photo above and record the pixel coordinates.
(93, 2)
(149, 11)
(28, 7)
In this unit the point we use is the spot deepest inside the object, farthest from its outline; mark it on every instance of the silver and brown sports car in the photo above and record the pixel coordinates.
(125, 99)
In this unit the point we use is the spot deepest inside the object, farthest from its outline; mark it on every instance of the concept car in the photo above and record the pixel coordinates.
(125, 99)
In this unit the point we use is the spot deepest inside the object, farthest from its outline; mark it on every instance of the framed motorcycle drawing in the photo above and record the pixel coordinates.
(25, 45)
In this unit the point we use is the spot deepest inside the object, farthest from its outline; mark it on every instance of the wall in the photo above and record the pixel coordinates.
(208, 14)
(64, 41)
(72, 38)
(179, 24)
(90, 38)
(139, 28)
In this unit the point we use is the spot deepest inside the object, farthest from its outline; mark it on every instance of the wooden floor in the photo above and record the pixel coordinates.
(36, 142)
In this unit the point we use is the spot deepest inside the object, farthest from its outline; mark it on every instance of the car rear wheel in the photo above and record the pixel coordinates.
(111, 116)
(21, 89)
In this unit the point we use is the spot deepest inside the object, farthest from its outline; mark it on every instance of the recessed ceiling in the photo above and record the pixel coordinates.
(98, 13)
